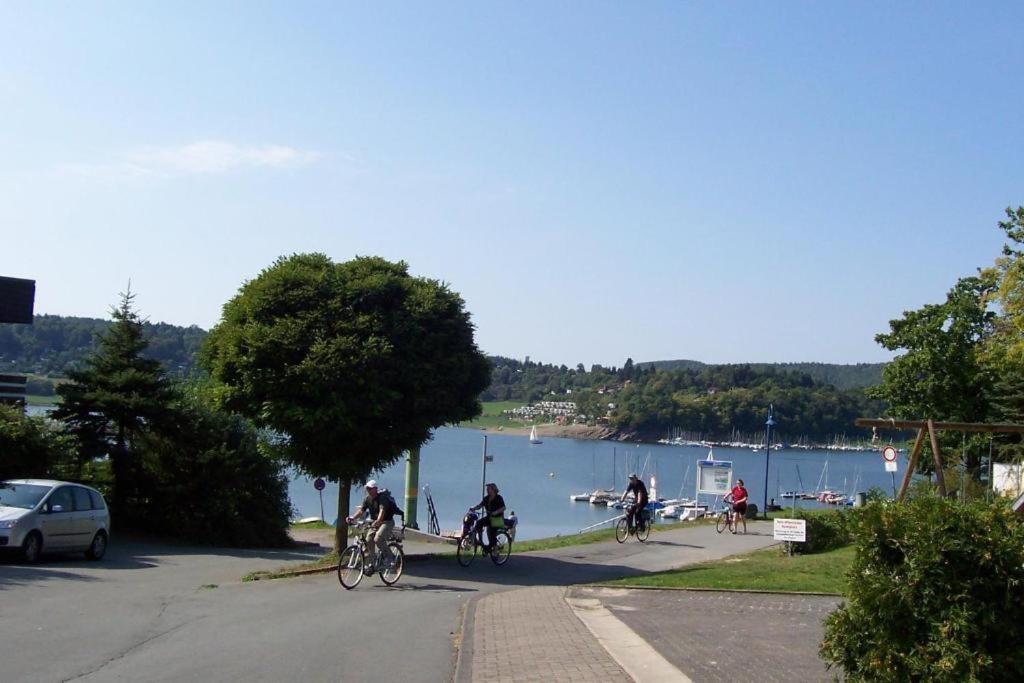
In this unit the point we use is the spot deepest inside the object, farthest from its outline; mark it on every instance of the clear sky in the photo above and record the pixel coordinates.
(721, 181)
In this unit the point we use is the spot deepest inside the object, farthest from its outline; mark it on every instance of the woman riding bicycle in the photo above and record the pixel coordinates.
(738, 496)
(493, 506)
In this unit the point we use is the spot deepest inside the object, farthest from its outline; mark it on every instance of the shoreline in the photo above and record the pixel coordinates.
(554, 431)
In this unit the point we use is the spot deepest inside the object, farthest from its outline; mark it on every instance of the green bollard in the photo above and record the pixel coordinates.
(412, 485)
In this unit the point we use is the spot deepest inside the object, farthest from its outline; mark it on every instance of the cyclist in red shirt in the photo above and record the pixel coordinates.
(739, 504)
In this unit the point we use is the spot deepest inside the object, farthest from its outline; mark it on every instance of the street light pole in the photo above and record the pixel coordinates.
(767, 454)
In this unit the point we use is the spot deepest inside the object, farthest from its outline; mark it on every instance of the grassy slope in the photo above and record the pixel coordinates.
(492, 415)
(767, 570)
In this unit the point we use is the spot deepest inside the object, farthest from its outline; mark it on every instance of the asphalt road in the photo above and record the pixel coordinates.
(152, 612)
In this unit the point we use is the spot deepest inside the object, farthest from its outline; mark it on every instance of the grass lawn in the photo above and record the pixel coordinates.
(316, 526)
(766, 569)
(37, 400)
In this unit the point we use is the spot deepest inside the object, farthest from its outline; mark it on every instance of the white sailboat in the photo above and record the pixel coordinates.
(533, 436)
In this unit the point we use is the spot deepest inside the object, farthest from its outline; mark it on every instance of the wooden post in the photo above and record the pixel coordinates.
(940, 480)
(914, 453)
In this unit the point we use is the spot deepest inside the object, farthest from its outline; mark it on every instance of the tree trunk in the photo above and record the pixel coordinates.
(341, 531)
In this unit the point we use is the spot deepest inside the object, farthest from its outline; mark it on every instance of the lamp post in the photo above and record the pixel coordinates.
(767, 454)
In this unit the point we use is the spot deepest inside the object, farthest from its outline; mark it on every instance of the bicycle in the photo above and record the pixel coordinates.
(471, 539)
(726, 519)
(642, 531)
(353, 565)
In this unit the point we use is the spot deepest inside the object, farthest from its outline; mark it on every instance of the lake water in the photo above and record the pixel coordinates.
(537, 480)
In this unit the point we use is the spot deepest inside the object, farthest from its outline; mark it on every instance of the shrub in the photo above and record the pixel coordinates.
(826, 530)
(34, 447)
(935, 593)
(214, 481)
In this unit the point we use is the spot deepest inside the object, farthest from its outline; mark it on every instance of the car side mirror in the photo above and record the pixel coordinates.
(56, 508)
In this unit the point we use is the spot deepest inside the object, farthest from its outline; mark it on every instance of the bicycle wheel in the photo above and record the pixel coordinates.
(466, 550)
(350, 567)
(394, 572)
(502, 548)
(622, 530)
(643, 531)
(732, 522)
(723, 521)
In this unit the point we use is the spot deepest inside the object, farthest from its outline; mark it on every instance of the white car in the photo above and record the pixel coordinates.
(38, 515)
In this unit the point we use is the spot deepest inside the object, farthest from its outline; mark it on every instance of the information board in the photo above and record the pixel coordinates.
(714, 477)
(791, 530)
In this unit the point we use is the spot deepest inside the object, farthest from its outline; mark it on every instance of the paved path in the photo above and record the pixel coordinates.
(158, 612)
(531, 635)
(723, 636)
(502, 627)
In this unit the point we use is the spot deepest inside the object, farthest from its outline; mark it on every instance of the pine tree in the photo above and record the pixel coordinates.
(114, 398)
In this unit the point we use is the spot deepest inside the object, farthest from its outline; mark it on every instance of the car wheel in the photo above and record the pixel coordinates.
(32, 548)
(98, 547)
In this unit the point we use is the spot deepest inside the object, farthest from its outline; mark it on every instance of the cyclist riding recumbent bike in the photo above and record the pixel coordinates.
(501, 531)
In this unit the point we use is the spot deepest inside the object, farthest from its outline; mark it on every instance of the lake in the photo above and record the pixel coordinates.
(537, 480)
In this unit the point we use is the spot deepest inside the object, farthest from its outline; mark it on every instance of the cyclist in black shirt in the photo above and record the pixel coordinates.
(381, 509)
(639, 491)
(492, 505)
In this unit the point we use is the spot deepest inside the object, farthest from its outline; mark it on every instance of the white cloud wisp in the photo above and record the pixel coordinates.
(206, 157)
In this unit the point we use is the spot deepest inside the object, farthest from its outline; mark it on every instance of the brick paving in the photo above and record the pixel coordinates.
(720, 636)
(531, 634)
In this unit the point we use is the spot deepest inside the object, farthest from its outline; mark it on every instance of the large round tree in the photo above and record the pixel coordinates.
(353, 363)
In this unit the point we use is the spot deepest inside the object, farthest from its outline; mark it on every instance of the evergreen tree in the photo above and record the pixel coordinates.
(114, 398)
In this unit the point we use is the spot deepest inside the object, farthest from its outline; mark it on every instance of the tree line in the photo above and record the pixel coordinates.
(54, 344)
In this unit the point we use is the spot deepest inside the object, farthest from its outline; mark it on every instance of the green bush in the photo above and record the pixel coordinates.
(34, 447)
(214, 481)
(936, 593)
(826, 530)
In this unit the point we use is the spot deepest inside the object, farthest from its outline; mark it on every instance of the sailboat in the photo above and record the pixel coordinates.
(533, 436)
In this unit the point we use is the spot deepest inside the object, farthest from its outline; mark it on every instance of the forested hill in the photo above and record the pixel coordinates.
(53, 343)
(854, 376)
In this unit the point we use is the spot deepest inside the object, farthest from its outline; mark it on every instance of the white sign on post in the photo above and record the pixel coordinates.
(889, 456)
(714, 477)
(791, 530)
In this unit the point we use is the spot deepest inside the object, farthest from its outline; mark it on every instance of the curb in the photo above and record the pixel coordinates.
(706, 590)
(464, 657)
(333, 568)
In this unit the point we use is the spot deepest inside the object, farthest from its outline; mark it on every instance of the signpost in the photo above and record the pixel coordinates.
(319, 484)
(791, 531)
(889, 456)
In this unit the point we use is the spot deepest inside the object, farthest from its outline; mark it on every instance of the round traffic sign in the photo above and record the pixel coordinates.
(319, 484)
(889, 453)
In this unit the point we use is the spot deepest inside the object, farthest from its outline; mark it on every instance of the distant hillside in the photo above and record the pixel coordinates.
(856, 376)
(54, 343)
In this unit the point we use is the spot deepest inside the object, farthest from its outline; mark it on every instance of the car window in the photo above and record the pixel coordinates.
(97, 500)
(25, 496)
(81, 497)
(62, 497)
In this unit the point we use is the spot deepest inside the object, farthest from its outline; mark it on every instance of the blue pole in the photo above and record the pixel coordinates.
(767, 456)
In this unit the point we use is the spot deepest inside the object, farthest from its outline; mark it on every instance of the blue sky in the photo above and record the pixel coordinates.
(725, 182)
